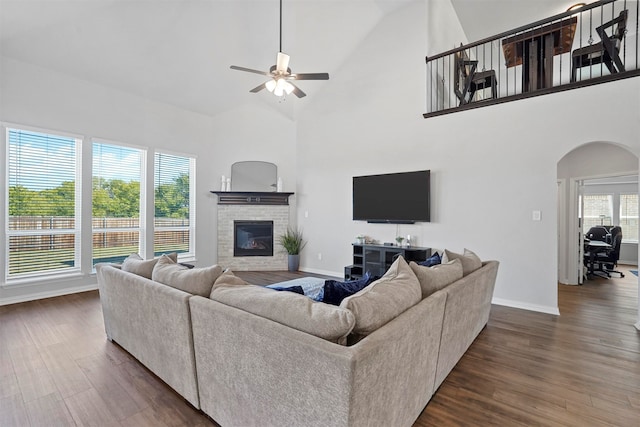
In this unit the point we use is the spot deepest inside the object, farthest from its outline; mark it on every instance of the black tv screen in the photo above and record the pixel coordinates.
(392, 198)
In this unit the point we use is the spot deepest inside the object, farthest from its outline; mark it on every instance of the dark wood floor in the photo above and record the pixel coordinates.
(581, 368)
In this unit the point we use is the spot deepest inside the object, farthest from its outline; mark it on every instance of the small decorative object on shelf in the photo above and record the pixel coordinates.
(360, 239)
(223, 184)
(228, 184)
(399, 239)
(279, 185)
(408, 240)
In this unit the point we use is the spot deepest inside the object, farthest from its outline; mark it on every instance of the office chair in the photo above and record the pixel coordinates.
(606, 51)
(610, 261)
(467, 80)
(597, 233)
(590, 259)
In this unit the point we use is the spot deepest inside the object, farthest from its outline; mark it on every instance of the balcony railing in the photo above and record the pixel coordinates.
(594, 44)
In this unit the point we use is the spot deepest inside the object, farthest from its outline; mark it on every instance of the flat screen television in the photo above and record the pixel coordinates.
(395, 198)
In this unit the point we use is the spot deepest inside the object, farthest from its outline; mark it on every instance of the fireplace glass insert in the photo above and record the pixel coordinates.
(253, 238)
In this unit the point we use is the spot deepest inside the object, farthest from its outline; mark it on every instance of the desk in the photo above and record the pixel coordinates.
(595, 247)
(535, 49)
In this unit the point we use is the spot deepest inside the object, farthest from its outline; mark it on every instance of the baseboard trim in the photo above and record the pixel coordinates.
(47, 294)
(524, 306)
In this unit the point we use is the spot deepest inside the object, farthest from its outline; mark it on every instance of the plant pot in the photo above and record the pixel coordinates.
(294, 262)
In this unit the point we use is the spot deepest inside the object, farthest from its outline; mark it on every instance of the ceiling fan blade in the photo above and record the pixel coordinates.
(250, 70)
(310, 76)
(297, 91)
(282, 62)
(258, 88)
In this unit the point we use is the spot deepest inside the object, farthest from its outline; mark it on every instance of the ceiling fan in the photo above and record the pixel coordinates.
(281, 75)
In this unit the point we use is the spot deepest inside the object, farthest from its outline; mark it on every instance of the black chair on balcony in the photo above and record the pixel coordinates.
(467, 81)
(606, 52)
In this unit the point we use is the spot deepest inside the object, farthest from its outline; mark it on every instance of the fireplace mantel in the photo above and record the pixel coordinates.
(252, 197)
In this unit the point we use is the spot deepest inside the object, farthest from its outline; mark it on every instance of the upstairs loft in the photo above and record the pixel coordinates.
(591, 44)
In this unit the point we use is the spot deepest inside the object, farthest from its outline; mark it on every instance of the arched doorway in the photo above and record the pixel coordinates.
(590, 161)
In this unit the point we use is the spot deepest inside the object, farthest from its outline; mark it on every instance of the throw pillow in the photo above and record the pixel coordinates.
(196, 281)
(227, 278)
(335, 291)
(432, 279)
(143, 267)
(470, 261)
(432, 260)
(384, 299)
(290, 309)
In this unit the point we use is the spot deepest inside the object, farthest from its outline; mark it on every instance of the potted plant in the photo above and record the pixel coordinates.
(293, 243)
(399, 239)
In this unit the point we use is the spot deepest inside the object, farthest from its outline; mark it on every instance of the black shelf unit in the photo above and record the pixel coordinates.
(377, 259)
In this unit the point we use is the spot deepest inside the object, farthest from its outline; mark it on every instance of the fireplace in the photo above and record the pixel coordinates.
(252, 238)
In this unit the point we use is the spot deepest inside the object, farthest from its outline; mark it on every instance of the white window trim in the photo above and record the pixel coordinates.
(17, 279)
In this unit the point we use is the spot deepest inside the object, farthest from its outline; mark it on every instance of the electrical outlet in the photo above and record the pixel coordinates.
(536, 215)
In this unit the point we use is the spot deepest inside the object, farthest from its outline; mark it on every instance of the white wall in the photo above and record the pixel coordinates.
(42, 98)
(491, 167)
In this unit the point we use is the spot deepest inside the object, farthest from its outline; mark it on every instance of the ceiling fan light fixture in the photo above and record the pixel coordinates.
(270, 85)
(280, 86)
(288, 87)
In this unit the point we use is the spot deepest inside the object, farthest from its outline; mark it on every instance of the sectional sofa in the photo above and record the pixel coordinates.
(247, 355)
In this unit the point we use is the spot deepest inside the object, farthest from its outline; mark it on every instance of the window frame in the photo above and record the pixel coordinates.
(76, 231)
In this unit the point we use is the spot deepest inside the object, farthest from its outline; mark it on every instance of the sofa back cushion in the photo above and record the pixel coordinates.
(196, 281)
(470, 261)
(287, 308)
(384, 299)
(143, 267)
(434, 278)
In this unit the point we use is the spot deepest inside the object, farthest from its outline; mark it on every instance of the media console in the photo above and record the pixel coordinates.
(377, 259)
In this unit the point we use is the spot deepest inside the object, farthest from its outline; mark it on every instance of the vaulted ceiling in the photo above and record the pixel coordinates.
(179, 51)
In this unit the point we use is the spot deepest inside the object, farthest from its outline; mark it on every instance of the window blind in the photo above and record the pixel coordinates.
(629, 217)
(43, 227)
(173, 203)
(598, 210)
(116, 197)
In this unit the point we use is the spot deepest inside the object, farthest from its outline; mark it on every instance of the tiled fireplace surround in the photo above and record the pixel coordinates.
(229, 211)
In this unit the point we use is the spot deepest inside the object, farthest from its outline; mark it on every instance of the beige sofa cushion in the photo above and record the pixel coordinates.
(290, 309)
(384, 299)
(432, 279)
(470, 261)
(227, 278)
(196, 281)
(143, 267)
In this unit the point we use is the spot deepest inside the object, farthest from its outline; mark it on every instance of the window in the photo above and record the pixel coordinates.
(629, 217)
(598, 210)
(43, 218)
(174, 227)
(117, 223)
